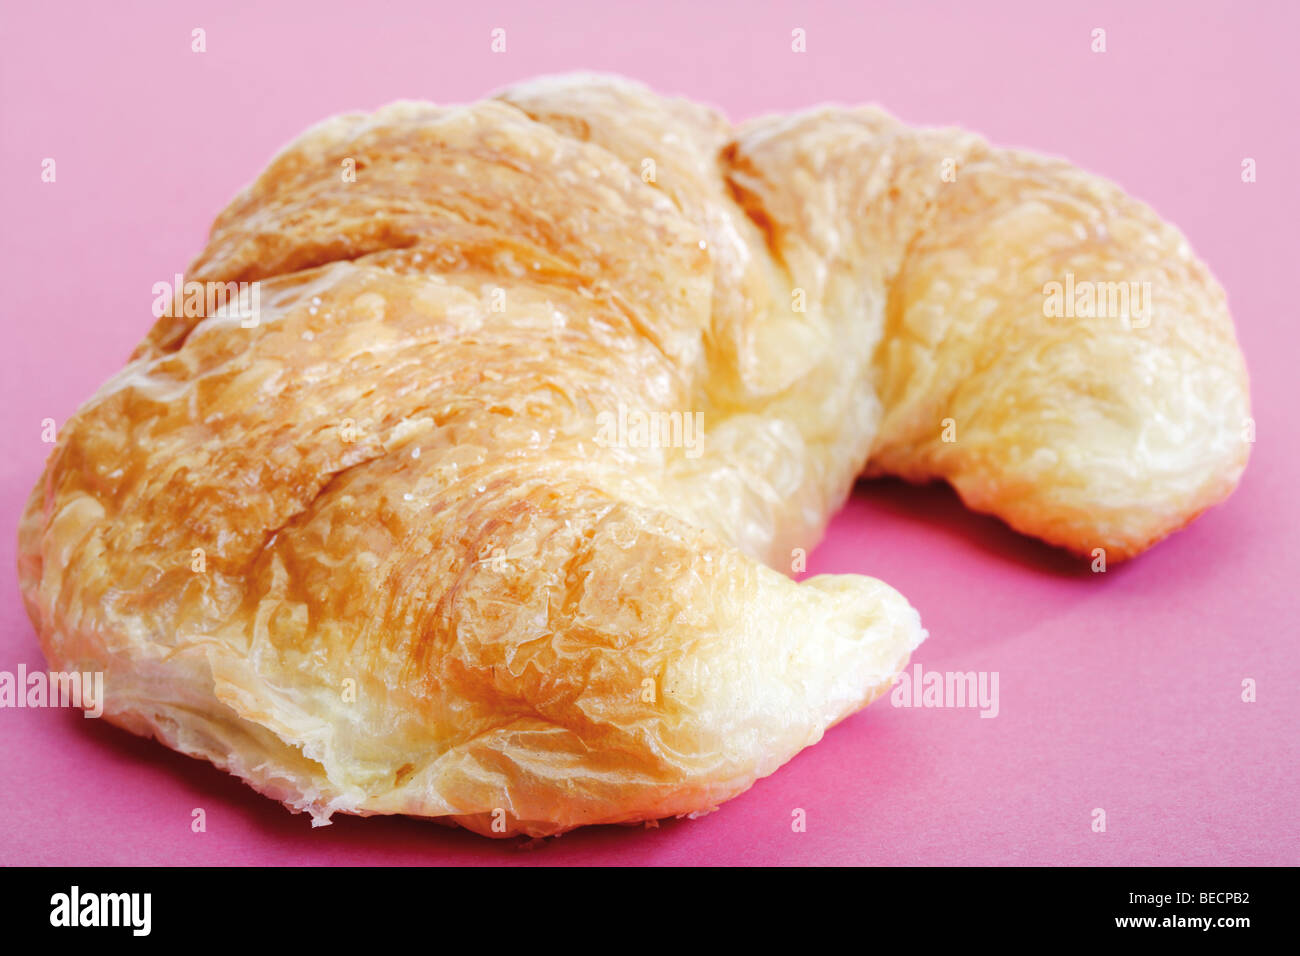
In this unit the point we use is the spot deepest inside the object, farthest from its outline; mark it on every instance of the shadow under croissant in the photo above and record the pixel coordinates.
(938, 507)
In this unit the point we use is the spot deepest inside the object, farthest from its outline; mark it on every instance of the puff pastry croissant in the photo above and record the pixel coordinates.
(374, 555)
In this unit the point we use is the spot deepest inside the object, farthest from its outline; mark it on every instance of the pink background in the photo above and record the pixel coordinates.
(1120, 691)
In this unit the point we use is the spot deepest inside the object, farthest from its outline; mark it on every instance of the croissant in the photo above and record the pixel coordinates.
(478, 516)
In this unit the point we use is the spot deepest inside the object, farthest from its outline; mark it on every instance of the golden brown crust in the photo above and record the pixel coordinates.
(376, 554)
(1091, 431)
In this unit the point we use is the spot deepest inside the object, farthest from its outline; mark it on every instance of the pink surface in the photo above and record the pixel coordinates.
(1119, 690)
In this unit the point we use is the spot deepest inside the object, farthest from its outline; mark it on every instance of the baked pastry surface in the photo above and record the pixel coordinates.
(378, 554)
